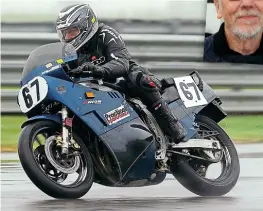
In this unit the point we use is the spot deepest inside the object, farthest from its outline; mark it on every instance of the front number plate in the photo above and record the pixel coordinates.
(32, 94)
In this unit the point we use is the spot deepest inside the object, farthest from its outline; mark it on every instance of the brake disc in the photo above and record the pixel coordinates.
(67, 165)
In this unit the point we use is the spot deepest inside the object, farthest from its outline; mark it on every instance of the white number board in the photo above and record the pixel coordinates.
(32, 94)
(189, 92)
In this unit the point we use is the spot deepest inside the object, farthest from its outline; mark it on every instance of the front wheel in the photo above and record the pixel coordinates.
(56, 175)
(192, 173)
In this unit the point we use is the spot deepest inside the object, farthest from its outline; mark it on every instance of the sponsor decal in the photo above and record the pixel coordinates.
(49, 65)
(61, 90)
(116, 115)
(60, 61)
(92, 102)
(51, 69)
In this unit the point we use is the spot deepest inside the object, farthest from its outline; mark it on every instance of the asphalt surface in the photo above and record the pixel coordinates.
(18, 192)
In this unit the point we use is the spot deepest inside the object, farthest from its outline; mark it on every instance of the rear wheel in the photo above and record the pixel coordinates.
(193, 173)
(55, 175)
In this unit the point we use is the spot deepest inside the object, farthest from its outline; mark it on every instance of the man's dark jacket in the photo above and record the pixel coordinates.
(216, 49)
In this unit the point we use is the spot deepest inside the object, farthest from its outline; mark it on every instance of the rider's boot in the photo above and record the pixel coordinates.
(168, 122)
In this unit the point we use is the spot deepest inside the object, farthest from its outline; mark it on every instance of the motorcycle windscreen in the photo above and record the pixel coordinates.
(48, 53)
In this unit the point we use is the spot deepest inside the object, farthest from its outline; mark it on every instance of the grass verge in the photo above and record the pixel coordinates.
(241, 129)
(9, 161)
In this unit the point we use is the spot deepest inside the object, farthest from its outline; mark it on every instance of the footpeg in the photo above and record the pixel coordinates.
(160, 154)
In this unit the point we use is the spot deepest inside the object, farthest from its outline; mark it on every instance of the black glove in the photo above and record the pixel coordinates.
(90, 69)
(97, 71)
(77, 71)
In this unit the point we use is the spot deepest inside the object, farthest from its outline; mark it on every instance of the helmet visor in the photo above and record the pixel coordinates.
(68, 34)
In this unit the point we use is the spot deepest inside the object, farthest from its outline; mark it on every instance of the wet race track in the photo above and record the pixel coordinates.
(18, 193)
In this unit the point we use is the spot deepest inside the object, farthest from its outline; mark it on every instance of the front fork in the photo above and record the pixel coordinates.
(65, 132)
(66, 139)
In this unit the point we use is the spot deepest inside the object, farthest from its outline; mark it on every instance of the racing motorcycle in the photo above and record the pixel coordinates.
(83, 130)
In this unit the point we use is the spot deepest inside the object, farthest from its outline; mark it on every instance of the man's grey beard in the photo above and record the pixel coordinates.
(250, 33)
(247, 34)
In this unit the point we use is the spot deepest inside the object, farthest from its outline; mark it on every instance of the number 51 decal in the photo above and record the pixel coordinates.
(32, 94)
(189, 92)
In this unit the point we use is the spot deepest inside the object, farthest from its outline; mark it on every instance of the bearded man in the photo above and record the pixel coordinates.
(239, 39)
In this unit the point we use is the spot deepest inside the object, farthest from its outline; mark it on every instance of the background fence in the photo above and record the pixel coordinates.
(167, 48)
(173, 26)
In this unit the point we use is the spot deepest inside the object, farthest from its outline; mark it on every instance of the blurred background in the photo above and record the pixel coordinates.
(166, 36)
(212, 23)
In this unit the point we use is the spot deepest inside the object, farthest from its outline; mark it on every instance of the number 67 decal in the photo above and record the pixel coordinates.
(32, 94)
(189, 92)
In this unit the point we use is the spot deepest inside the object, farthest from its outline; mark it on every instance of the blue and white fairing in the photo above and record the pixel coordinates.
(106, 113)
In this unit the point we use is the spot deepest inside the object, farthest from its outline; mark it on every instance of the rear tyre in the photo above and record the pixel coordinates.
(186, 170)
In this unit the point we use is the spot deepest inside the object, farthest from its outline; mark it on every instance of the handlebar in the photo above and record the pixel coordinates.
(82, 74)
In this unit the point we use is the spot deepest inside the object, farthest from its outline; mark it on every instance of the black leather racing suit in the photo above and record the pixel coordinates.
(108, 50)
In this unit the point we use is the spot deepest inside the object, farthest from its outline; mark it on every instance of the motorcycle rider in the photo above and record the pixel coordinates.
(102, 51)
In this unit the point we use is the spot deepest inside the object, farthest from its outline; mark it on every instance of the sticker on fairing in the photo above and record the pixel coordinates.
(117, 115)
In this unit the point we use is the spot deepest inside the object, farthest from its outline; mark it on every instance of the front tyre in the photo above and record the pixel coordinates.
(191, 172)
(50, 177)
